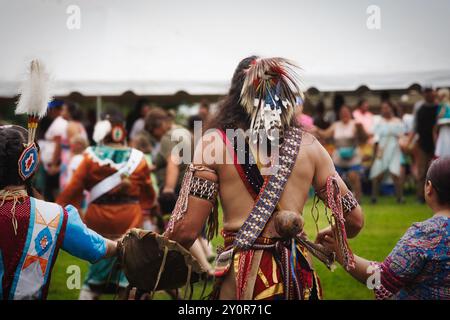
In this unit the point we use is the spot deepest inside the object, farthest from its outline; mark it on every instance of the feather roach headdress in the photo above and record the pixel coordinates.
(33, 101)
(270, 93)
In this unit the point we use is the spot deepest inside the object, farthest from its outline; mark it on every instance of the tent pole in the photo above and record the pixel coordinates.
(99, 107)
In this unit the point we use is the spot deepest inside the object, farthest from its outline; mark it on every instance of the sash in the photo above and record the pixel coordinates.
(270, 193)
(41, 247)
(115, 179)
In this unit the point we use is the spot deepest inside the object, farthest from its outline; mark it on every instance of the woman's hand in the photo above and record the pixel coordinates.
(111, 248)
(330, 243)
(326, 238)
(322, 233)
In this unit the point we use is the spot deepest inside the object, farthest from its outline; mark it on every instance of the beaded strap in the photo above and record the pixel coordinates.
(270, 194)
(335, 202)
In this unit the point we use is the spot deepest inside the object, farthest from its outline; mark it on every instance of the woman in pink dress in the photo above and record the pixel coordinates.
(346, 134)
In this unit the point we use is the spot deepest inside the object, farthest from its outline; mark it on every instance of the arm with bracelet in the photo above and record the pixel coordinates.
(162, 262)
(345, 210)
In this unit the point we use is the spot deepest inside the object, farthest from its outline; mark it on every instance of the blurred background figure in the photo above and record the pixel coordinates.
(47, 178)
(78, 145)
(303, 119)
(424, 122)
(408, 172)
(204, 110)
(319, 122)
(363, 116)
(366, 118)
(442, 130)
(72, 113)
(170, 168)
(319, 117)
(333, 114)
(153, 220)
(136, 118)
(387, 152)
(347, 135)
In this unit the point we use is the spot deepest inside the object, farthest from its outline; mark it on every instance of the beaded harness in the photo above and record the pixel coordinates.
(270, 195)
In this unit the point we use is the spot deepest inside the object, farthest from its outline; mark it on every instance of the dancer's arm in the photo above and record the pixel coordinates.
(187, 229)
(84, 243)
(324, 168)
(186, 225)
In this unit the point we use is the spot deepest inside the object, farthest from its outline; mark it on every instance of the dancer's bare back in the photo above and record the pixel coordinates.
(312, 168)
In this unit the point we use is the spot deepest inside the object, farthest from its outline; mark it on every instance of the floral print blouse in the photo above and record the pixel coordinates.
(419, 265)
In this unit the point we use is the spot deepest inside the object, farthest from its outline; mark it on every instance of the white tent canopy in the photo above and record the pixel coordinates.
(162, 47)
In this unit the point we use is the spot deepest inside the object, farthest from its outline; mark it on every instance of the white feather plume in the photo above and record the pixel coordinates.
(101, 130)
(34, 92)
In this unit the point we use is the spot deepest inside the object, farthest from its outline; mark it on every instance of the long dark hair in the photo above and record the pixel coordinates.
(74, 110)
(136, 113)
(12, 140)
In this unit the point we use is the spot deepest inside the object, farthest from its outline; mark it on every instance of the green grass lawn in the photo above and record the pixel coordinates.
(385, 223)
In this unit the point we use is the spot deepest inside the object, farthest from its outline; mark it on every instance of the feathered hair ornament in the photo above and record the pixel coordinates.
(101, 130)
(270, 93)
(34, 97)
(33, 101)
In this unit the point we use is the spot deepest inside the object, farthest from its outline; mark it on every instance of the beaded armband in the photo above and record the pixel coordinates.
(348, 200)
(195, 186)
(204, 189)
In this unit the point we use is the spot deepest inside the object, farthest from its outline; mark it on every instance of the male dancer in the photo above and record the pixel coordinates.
(258, 262)
(263, 188)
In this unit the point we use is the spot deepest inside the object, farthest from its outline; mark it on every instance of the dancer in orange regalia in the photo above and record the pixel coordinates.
(118, 180)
